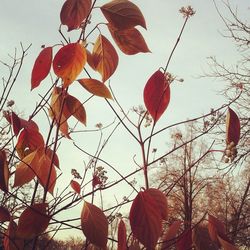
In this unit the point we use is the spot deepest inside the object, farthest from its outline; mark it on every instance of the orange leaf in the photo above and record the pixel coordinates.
(4, 172)
(49, 153)
(75, 186)
(4, 214)
(105, 58)
(33, 221)
(123, 14)
(226, 245)
(146, 219)
(75, 108)
(130, 41)
(94, 225)
(11, 241)
(156, 95)
(216, 228)
(41, 67)
(29, 139)
(185, 240)
(74, 12)
(232, 127)
(69, 62)
(95, 87)
(46, 173)
(122, 236)
(161, 200)
(26, 169)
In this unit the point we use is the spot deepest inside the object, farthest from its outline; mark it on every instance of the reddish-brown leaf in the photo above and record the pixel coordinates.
(69, 62)
(170, 234)
(46, 173)
(4, 214)
(75, 108)
(26, 170)
(41, 67)
(216, 228)
(50, 153)
(14, 120)
(123, 14)
(157, 95)
(185, 240)
(4, 172)
(146, 219)
(105, 58)
(29, 140)
(130, 41)
(96, 181)
(75, 186)
(74, 12)
(95, 87)
(232, 127)
(161, 200)
(122, 236)
(11, 241)
(94, 225)
(226, 245)
(33, 221)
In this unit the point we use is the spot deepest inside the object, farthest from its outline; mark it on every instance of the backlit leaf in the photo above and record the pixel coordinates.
(122, 236)
(11, 241)
(146, 219)
(123, 14)
(49, 153)
(184, 240)
(26, 170)
(4, 214)
(105, 58)
(94, 225)
(33, 221)
(232, 127)
(46, 173)
(216, 228)
(95, 87)
(69, 62)
(170, 234)
(226, 245)
(130, 41)
(161, 200)
(41, 67)
(156, 95)
(74, 12)
(75, 186)
(4, 172)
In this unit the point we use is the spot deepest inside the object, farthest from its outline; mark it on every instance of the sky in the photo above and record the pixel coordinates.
(37, 22)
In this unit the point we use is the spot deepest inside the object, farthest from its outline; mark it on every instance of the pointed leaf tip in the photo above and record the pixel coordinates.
(232, 127)
(156, 95)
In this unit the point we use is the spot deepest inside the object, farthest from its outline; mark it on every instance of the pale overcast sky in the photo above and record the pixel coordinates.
(37, 22)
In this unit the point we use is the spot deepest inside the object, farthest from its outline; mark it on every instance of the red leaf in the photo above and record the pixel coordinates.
(216, 228)
(33, 221)
(11, 241)
(185, 240)
(49, 153)
(4, 172)
(69, 62)
(75, 186)
(74, 12)
(4, 214)
(123, 14)
(41, 67)
(146, 219)
(232, 127)
(156, 95)
(94, 225)
(122, 236)
(226, 245)
(130, 41)
(95, 87)
(105, 58)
